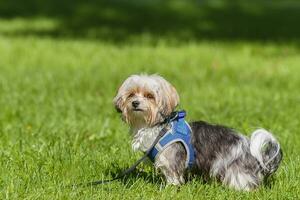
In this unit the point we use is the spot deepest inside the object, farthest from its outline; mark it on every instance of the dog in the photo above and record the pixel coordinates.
(220, 152)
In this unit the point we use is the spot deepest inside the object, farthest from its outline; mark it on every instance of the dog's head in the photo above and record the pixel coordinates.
(143, 100)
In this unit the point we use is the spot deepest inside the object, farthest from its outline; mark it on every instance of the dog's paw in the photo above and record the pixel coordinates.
(176, 181)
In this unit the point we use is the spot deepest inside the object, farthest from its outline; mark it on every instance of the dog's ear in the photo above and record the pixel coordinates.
(169, 98)
(173, 98)
(118, 103)
(119, 99)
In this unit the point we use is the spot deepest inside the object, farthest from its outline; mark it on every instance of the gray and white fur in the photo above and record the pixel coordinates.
(221, 152)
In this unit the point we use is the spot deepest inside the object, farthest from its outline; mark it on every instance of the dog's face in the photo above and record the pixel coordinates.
(143, 100)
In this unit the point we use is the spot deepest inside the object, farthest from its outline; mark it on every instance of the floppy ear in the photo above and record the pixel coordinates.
(119, 100)
(173, 98)
(118, 103)
(169, 98)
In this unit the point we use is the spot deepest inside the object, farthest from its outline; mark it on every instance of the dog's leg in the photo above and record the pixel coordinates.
(171, 162)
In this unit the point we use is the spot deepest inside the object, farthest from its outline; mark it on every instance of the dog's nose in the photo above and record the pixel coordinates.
(135, 104)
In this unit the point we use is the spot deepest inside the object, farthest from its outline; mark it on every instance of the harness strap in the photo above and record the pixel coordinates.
(180, 132)
(130, 169)
(173, 116)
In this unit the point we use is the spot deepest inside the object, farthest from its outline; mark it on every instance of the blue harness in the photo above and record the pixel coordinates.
(180, 132)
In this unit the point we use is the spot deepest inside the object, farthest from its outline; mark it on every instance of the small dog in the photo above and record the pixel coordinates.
(220, 152)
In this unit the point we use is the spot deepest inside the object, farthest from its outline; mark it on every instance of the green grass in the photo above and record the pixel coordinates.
(58, 125)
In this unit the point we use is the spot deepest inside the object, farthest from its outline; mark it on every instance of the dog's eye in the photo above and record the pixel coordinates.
(130, 95)
(149, 96)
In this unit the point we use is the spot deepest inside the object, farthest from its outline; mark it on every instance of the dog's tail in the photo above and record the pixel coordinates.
(266, 149)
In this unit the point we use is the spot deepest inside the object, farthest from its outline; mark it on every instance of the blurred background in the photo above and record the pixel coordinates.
(176, 20)
(61, 62)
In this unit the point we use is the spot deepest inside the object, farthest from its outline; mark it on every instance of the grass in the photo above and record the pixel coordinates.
(58, 125)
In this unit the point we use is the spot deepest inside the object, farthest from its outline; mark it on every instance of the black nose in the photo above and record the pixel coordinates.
(135, 104)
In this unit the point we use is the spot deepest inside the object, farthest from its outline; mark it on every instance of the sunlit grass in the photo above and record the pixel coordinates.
(58, 125)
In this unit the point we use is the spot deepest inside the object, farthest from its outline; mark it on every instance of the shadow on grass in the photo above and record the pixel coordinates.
(155, 179)
(120, 20)
(136, 175)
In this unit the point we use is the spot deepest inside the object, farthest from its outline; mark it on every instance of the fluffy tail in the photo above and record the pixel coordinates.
(266, 149)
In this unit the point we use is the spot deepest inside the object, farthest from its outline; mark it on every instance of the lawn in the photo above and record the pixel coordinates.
(58, 125)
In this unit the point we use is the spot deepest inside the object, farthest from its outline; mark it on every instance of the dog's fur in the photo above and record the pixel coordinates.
(235, 160)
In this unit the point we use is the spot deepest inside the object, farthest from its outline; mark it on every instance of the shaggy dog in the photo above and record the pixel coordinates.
(220, 152)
